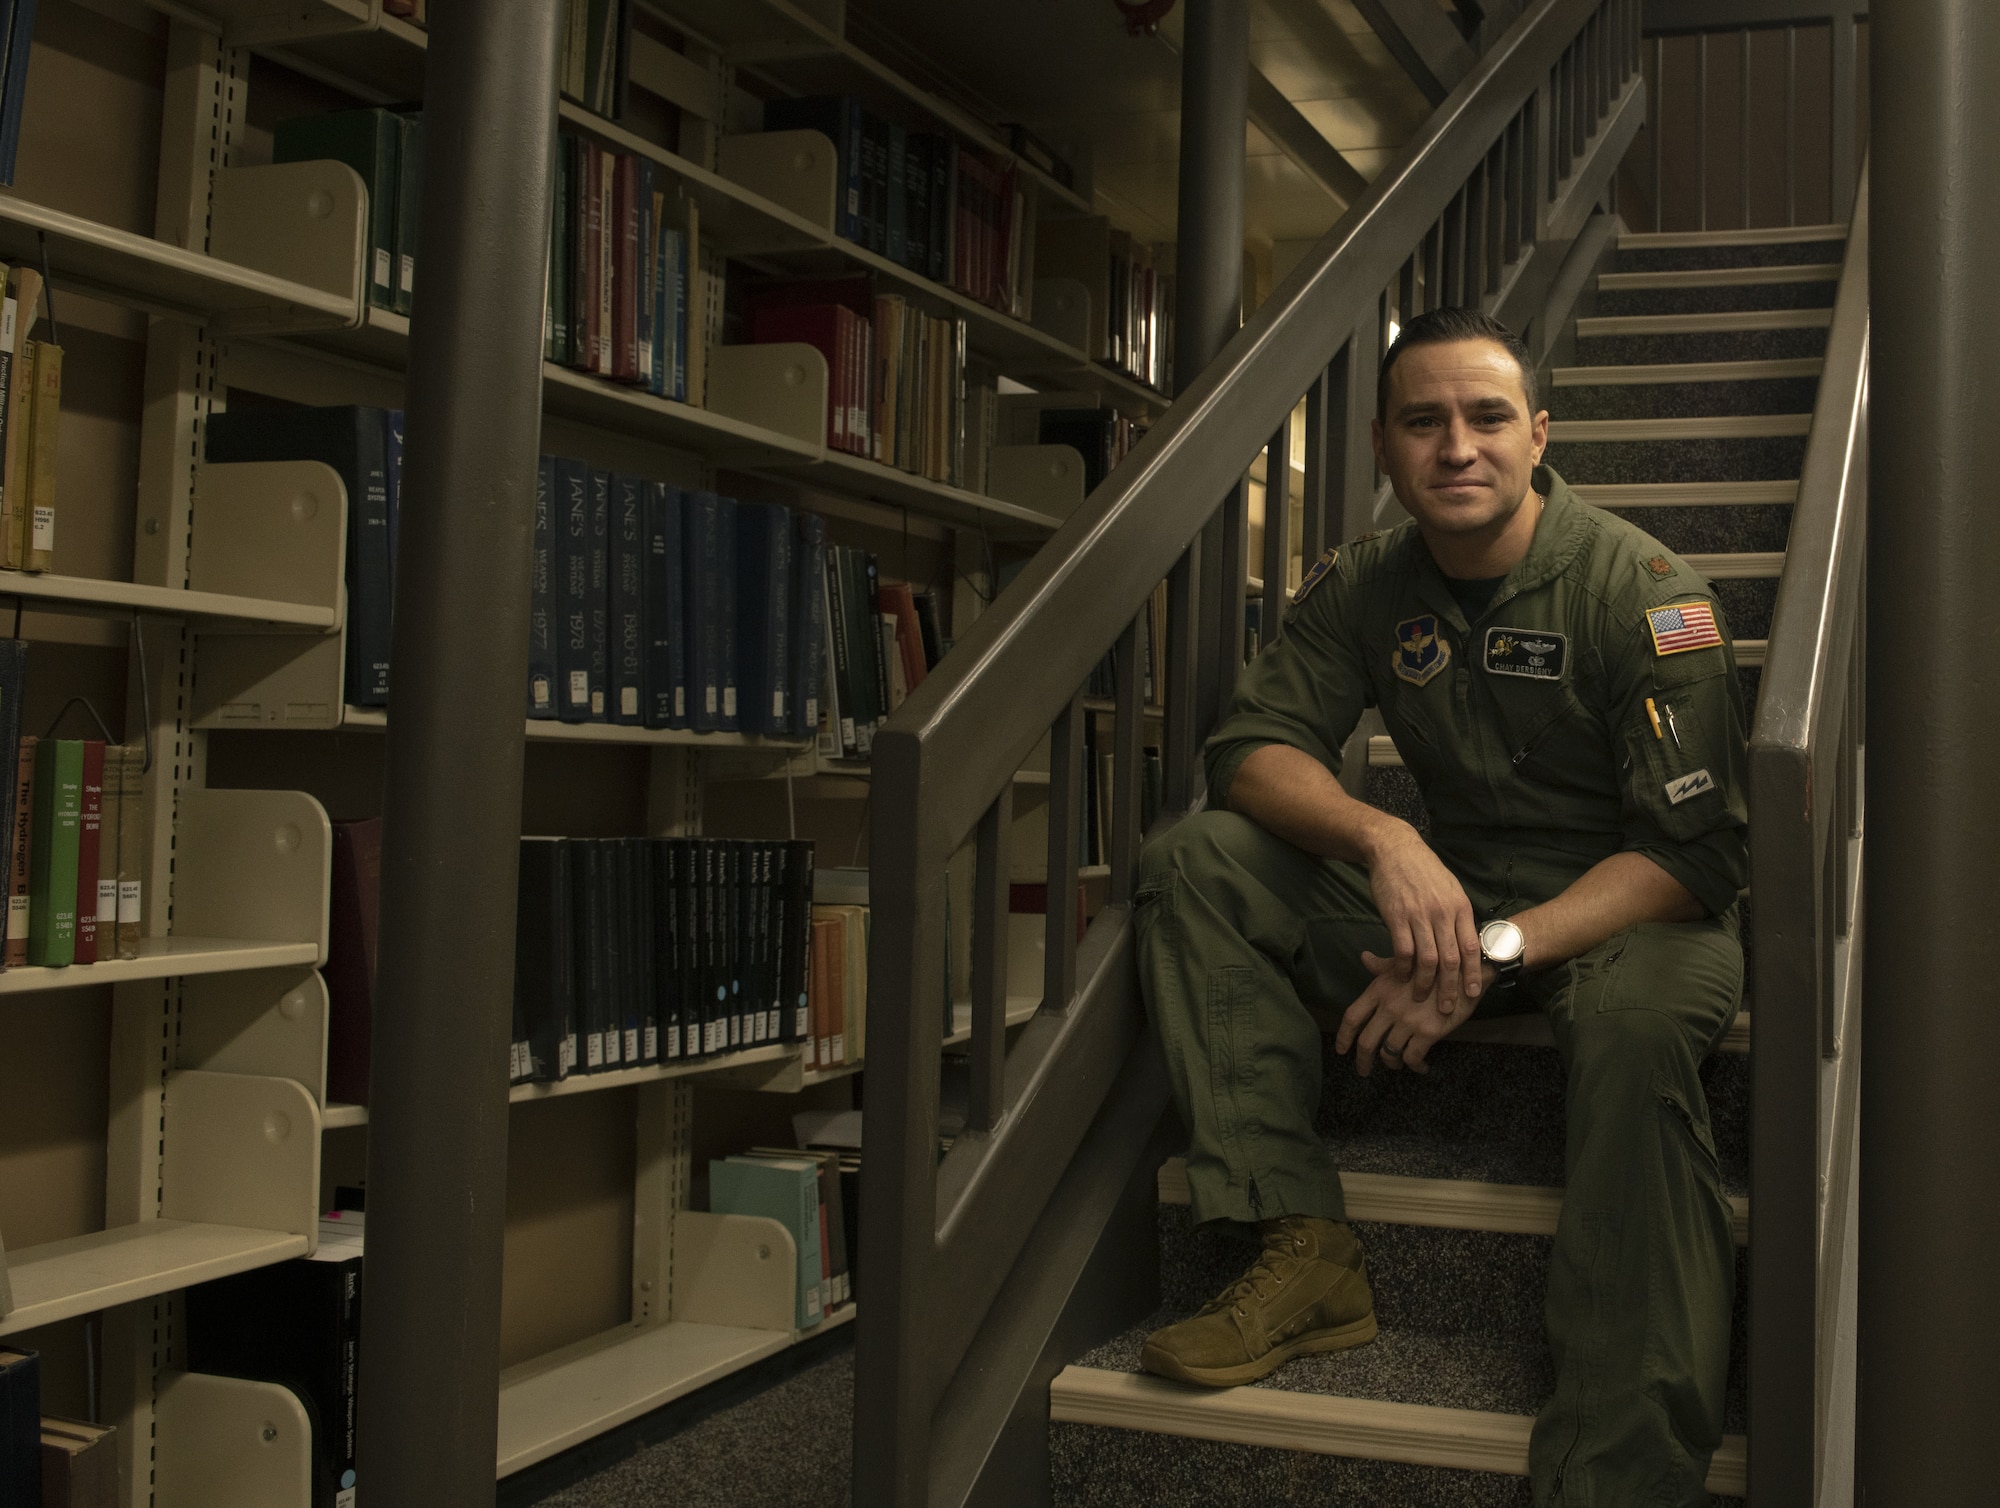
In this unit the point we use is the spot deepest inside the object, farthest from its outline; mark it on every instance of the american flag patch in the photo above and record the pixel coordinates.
(1684, 626)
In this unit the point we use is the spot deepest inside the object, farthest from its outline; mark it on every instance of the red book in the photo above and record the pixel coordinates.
(352, 898)
(896, 597)
(89, 842)
(857, 293)
(607, 254)
(625, 271)
(818, 326)
(589, 263)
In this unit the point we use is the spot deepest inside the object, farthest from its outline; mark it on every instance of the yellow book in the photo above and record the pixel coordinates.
(20, 389)
(38, 507)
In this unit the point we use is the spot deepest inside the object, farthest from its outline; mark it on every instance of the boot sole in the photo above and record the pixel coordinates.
(1341, 1338)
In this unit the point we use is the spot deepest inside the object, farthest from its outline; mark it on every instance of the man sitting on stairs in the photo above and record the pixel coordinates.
(1563, 690)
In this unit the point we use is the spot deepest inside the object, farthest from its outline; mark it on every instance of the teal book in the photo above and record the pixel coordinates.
(56, 834)
(781, 1189)
(370, 142)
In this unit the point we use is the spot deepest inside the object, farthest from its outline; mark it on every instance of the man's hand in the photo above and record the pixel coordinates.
(1429, 920)
(1390, 1022)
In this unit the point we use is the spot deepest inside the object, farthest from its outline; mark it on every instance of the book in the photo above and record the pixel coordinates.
(8, 307)
(354, 442)
(89, 846)
(20, 1426)
(627, 684)
(709, 561)
(825, 996)
(133, 849)
(392, 490)
(541, 596)
(20, 394)
(795, 891)
(842, 122)
(669, 988)
(13, 683)
(764, 553)
(642, 915)
(781, 1189)
(21, 851)
(808, 626)
(623, 234)
(837, 1289)
(828, 329)
(593, 980)
(53, 859)
(79, 1464)
(353, 895)
(38, 506)
(597, 546)
(409, 204)
(666, 668)
(897, 599)
(14, 88)
(544, 958)
(297, 1324)
(572, 590)
(370, 142)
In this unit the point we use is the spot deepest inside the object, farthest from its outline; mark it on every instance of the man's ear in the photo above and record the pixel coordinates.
(1539, 429)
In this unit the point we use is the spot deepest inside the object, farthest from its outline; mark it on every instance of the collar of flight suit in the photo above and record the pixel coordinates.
(1559, 533)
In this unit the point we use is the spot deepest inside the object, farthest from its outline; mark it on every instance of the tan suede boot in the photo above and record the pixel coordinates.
(1307, 1292)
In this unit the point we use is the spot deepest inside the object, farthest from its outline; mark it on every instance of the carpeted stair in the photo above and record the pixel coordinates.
(1687, 413)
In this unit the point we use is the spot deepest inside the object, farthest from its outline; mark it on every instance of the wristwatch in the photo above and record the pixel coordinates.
(1501, 944)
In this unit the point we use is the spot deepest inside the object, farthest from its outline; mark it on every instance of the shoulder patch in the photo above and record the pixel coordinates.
(1315, 576)
(1372, 534)
(1683, 626)
(1660, 567)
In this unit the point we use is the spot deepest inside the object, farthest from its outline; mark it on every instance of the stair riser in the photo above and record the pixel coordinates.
(1707, 345)
(1718, 531)
(1765, 459)
(1684, 400)
(1487, 1094)
(1114, 1468)
(1747, 605)
(1711, 300)
(1693, 258)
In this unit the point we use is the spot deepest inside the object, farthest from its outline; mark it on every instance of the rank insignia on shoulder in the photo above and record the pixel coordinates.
(1683, 626)
(1660, 567)
(1420, 651)
(1316, 575)
(1526, 652)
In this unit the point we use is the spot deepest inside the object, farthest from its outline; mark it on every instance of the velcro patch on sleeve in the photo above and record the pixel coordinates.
(1682, 627)
(1315, 576)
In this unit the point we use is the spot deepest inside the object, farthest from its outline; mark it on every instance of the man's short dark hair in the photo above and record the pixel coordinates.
(1445, 326)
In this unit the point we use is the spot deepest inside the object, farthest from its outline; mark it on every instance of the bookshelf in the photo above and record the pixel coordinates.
(218, 279)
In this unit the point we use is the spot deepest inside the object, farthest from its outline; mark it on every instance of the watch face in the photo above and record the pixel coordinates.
(1501, 941)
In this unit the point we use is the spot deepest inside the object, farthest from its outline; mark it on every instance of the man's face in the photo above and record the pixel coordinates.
(1458, 442)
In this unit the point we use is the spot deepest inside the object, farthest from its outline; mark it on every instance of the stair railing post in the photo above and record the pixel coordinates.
(437, 1136)
(1208, 296)
(1930, 1137)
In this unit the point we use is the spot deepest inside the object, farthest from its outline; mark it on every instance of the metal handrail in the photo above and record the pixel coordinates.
(1805, 840)
(1514, 160)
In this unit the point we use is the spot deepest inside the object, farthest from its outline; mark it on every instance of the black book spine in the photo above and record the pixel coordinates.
(733, 941)
(370, 599)
(871, 583)
(621, 1033)
(586, 934)
(628, 599)
(799, 890)
(843, 666)
(20, 1426)
(544, 976)
(687, 906)
(600, 594)
(573, 567)
(541, 599)
(769, 1028)
(13, 682)
(645, 922)
(808, 626)
(714, 989)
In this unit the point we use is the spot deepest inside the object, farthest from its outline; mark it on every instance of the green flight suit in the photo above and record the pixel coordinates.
(1528, 733)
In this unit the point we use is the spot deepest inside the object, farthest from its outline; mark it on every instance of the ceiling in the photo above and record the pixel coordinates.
(1110, 101)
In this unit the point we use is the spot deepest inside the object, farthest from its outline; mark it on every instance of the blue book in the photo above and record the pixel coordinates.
(781, 1189)
(764, 550)
(896, 246)
(628, 601)
(572, 560)
(644, 302)
(392, 474)
(541, 596)
(354, 442)
(808, 627)
(839, 119)
(708, 535)
(598, 545)
(666, 636)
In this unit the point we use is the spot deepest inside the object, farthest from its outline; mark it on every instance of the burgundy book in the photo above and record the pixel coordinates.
(350, 957)
(819, 326)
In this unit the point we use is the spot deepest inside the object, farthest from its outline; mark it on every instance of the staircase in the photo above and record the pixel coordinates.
(1687, 411)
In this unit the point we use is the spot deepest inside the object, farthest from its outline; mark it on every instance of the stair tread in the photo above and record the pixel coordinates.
(1722, 277)
(1690, 324)
(1702, 427)
(1763, 235)
(1642, 374)
(1459, 1401)
(1685, 494)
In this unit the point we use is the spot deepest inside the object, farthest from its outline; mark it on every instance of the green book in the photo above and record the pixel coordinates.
(409, 201)
(55, 834)
(369, 141)
(780, 1189)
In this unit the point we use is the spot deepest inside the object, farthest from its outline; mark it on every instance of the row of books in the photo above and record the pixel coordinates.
(30, 426)
(595, 65)
(896, 376)
(926, 201)
(626, 284)
(802, 1191)
(386, 147)
(837, 999)
(1132, 299)
(48, 1462)
(73, 833)
(16, 32)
